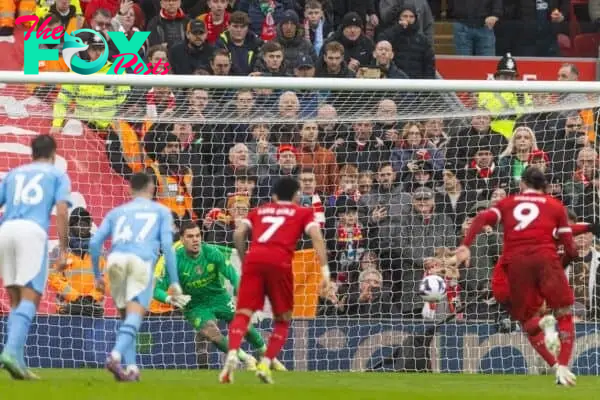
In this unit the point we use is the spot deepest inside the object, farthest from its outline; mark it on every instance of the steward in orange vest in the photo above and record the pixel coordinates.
(124, 147)
(173, 180)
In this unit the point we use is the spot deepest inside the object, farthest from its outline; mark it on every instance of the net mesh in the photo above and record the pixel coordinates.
(393, 177)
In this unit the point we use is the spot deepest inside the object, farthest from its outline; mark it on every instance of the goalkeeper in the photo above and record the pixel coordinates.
(205, 299)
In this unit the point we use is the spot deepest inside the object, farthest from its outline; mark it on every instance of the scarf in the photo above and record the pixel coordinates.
(580, 177)
(318, 209)
(268, 31)
(179, 15)
(351, 236)
(213, 30)
(152, 105)
(319, 40)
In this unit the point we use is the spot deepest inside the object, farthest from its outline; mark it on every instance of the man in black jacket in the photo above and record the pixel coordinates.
(193, 52)
(358, 48)
(474, 26)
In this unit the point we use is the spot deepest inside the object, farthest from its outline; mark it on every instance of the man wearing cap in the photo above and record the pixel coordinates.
(169, 26)
(287, 165)
(193, 52)
(358, 49)
(502, 102)
(414, 239)
(76, 292)
(291, 37)
(95, 105)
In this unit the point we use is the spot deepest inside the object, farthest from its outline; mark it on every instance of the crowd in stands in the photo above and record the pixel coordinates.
(394, 195)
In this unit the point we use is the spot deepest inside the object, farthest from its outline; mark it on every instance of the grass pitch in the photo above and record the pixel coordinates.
(89, 384)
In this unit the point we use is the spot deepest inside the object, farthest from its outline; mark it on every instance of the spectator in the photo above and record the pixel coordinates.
(160, 103)
(287, 165)
(583, 275)
(158, 59)
(566, 142)
(358, 49)
(436, 134)
(77, 294)
(419, 173)
(541, 161)
(328, 305)
(263, 154)
(365, 182)
(544, 124)
(68, 15)
(111, 7)
(309, 99)
(570, 72)
(365, 9)
(245, 184)
(331, 132)
(272, 61)
(219, 230)
(170, 26)
(413, 146)
(216, 20)
(242, 44)
(173, 179)
(387, 125)
(347, 185)
(513, 160)
(483, 175)
(192, 52)
(321, 160)
(196, 107)
(264, 15)
(129, 20)
(291, 38)
(310, 197)
(383, 57)
(371, 299)
(420, 233)
(316, 26)
(424, 22)
(413, 54)
(474, 26)
(453, 198)
(220, 63)
(581, 192)
(332, 63)
(215, 186)
(102, 22)
(462, 147)
(363, 149)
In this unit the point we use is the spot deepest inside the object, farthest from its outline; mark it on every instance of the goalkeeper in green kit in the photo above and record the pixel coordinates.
(205, 299)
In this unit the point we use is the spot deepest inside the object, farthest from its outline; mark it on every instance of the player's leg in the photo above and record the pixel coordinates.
(559, 297)
(224, 310)
(280, 290)
(30, 260)
(251, 297)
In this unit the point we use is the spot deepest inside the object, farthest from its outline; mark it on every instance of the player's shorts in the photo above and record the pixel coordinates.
(23, 255)
(198, 316)
(260, 280)
(533, 279)
(131, 279)
(499, 283)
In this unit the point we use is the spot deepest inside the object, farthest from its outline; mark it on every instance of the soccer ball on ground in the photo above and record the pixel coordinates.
(432, 288)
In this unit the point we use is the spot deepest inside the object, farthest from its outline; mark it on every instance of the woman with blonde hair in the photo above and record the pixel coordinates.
(514, 159)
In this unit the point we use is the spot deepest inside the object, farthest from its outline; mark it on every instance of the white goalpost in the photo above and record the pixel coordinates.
(394, 170)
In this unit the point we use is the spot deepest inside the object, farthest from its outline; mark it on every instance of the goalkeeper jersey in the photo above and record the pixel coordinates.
(200, 276)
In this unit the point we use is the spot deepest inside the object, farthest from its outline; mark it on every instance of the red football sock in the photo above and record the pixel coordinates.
(277, 339)
(532, 326)
(237, 330)
(566, 333)
(537, 342)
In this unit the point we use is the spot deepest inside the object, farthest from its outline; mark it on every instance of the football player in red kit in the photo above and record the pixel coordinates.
(533, 222)
(267, 269)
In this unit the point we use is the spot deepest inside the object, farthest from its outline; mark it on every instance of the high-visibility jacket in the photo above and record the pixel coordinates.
(42, 8)
(97, 104)
(156, 306)
(10, 8)
(498, 102)
(173, 192)
(131, 146)
(589, 124)
(77, 279)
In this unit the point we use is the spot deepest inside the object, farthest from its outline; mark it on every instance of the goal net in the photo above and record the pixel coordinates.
(394, 174)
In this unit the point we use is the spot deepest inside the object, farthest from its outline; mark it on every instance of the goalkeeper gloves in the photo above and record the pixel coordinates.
(175, 289)
(179, 300)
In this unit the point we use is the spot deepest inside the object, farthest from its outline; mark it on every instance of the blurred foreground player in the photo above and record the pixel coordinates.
(138, 229)
(267, 270)
(29, 193)
(533, 221)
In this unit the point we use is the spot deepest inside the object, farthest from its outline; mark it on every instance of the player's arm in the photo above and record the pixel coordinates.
(564, 234)
(162, 281)
(96, 243)
(239, 238)
(63, 202)
(491, 216)
(166, 242)
(314, 231)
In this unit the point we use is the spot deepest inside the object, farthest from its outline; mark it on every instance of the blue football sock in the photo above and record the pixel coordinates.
(127, 334)
(18, 330)
(8, 326)
(129, 357)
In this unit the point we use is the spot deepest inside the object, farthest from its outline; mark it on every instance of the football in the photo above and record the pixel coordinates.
(432, 288)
